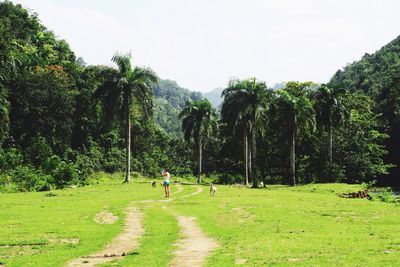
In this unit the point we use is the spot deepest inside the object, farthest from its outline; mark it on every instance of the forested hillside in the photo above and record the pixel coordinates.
(378, 75)
(169, 99)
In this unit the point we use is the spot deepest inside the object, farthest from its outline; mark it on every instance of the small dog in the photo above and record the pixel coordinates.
(153, 184)
(213, 190)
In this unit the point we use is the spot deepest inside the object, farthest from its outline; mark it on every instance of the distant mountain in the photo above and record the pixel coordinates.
(169, 99)
(214, 96)
(278, 86)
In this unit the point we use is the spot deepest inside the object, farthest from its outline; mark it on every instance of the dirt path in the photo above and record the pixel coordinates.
(198, 191)
(125, 242)
(194, 246)
(180, 188)
(192, 249)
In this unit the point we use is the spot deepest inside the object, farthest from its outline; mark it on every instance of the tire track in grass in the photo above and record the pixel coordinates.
(128, 240)
(125, 242)
(180, 189)
(198, 191)
(161, 231)
(194, 246)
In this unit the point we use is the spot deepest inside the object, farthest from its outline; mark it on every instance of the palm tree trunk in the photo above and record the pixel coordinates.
(246, 155)
(253, 153)
(330, 144)
(250, 158)
(293, 152)
(128, 147)
(200, 161)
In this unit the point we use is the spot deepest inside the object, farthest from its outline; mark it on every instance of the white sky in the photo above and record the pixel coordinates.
(203, 43)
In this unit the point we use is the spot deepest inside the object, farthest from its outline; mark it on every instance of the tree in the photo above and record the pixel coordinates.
(129, 84)
(198, 122)
(330, 112)
(244, 102)
(294, 109)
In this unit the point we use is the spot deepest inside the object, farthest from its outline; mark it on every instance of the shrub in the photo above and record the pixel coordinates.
(6, 184)
(227, 178)
(63, 173)
(29, 179)
(113, 160)
(10, 158)
(386, 196)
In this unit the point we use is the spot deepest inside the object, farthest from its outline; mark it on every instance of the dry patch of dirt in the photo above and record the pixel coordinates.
(72, 241)
(125, 242)
(194, 246)
(294, 260)
(105, 217)
(244, 216)
(241, 261)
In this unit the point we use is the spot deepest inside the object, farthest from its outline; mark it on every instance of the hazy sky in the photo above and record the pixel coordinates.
(203, 43)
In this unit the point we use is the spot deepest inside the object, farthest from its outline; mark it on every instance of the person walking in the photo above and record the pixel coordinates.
(166, 182)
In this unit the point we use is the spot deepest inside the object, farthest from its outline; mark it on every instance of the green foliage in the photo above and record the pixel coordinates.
(378, 75)
(62, 120)
(385, 195)
(169, 100)
(198, 120)
(29, 179)
(227, 178)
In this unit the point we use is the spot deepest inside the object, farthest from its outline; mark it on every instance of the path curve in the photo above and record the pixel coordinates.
(194, 246)
(180, 189)
(125, 242)
(198, 191)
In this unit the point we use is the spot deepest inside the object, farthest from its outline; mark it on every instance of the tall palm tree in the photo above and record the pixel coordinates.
(294, 109)
(244, 102)
(125, 84)
(198, 122)
(330, 112)
(4, 113)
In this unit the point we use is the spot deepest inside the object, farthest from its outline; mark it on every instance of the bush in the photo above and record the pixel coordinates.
(29, 179)
(6, 184)
(113, 160)
(10, 158)
(63, 173)
(227, 178)
(385, 196)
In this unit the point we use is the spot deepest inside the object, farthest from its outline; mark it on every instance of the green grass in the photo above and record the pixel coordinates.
(305, 226)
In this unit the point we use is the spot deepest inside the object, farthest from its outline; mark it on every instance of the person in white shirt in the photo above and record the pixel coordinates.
(166, 182)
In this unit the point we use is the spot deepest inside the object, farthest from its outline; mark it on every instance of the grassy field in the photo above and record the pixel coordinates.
(303, 226)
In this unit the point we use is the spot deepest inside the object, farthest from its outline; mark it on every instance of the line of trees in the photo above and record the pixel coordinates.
(303, 122)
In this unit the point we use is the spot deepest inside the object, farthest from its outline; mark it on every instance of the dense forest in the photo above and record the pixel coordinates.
(378, 76)
(61, 120)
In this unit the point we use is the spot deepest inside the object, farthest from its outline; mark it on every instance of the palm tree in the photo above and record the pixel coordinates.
(293, 109)
(4, 114)
(330, 112)
(125, 85)
(244, 102)
(198, 122)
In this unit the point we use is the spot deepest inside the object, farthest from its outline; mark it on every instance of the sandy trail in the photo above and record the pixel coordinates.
(198, 191)
(180, 188)
(125, 242)
(194, 246)
(193, 249)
